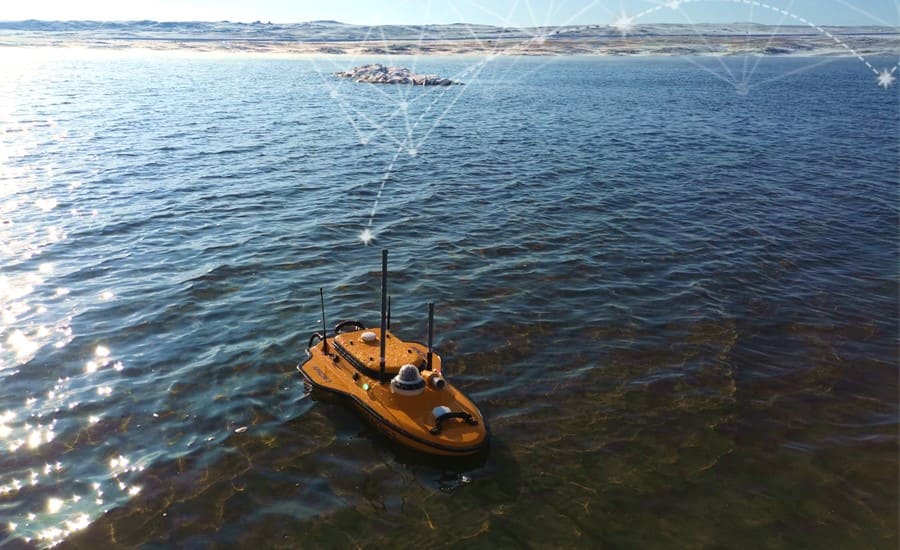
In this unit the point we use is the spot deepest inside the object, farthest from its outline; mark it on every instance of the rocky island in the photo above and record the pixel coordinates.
(376, 73)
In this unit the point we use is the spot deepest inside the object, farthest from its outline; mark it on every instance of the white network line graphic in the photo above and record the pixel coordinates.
(405, 116)
(885, 77)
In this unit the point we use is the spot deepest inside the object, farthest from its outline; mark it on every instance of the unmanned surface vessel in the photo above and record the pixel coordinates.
(398, 385)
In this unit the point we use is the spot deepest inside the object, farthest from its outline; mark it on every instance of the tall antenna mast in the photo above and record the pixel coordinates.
(430, 332)
(324, 323)
(384, 254)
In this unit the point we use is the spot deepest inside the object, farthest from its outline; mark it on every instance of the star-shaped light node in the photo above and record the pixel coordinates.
(366, 236)
(674, 4)
(886, 78)
(624, 24)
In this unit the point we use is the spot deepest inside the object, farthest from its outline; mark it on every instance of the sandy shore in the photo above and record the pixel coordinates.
(332, 38)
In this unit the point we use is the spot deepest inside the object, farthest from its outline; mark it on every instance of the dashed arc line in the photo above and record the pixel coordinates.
(764, 5)
(410, 145)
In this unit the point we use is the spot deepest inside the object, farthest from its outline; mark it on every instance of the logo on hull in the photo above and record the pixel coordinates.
(321, 374)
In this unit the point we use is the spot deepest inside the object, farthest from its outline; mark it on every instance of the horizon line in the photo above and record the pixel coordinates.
(334, 21)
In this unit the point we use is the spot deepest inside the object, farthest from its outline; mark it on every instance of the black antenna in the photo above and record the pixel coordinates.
(324, 323)
(430, 332)
(384, 253)
(389, 314)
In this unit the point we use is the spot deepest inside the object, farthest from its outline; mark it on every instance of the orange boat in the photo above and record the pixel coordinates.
(398, 385)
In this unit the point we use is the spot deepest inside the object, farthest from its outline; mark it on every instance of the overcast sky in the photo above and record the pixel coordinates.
(492, 12)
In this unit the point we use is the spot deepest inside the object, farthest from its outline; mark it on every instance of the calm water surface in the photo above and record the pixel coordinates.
(675, 299)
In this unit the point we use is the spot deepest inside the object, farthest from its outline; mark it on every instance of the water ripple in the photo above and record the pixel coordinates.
(677, 307)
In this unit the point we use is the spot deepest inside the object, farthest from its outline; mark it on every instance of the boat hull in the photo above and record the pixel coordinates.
(406, 420)
(400, 436)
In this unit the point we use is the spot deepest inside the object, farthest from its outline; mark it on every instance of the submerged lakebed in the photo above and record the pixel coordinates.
(674, 299)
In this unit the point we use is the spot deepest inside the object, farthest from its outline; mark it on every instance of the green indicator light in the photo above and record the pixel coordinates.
(366, 386)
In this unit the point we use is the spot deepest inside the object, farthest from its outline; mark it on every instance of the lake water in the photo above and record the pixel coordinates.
(670, 284)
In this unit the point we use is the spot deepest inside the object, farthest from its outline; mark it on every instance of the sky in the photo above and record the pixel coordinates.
(491, 12)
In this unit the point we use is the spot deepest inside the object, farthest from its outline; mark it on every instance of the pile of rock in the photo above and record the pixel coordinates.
(376, 73)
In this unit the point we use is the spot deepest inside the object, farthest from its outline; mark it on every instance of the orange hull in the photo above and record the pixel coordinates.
(349, 366)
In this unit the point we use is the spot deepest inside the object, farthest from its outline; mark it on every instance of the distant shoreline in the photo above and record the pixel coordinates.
(625, 47)
(334, 38)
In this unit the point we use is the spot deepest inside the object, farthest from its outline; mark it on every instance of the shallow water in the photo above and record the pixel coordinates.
(675, 300)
